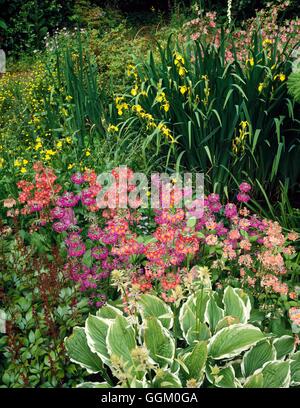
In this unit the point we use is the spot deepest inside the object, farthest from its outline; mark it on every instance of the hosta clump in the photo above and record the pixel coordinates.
(208, 341)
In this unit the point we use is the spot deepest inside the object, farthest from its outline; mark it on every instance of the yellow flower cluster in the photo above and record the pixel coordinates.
(161, 98)
(138, 109)
(238, 144)
(132, 72)
(267, 42)
(121, 105)
(112, 129)
(179, 63)
(250, 61)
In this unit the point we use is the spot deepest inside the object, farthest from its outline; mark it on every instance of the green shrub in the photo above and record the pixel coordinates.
(41, 307)
(28, 22)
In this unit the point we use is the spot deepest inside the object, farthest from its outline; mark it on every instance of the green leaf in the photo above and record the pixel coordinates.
(226, 322)
(195, 361)
(80, 353)
(284, 345)
(295, 368)
(231, 341)
(222, 377)
(276, 374)
(93, 385)
(96, 330)
(158, 341)
(198, 332)
(235, 306)
(165, 379)
(255, 358)
(3, 24)
(87, 259)
(213, 314)
(108, 312)
(120, 340)
(255, 381)
(191, 316)
(191, 222)
(152, 306)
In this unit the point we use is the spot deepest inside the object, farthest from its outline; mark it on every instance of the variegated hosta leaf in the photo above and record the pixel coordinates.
(160, 344)
(120, 340)
(284, 345)
(135, 383)
(235, 305)
(150, 305)
(255, 358)
(194, 362)
(96, 329)
(226, 322)
(192, 313)
(198, 332)
(80, 353)
(231, 341)
(222, 377)
(175, 367)
(93, 385)
(276, 374)
(108, 312)
(255, 381)
(213, 313)
(245, 298)
(166, 379)
(295, 368)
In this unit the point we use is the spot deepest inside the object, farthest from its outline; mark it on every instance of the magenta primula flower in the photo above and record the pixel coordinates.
(94, 233)
(109, 238)
(99, 253)
(87, 198)
(213, 198)
(78, 250)
(230, 210)
(59, 226)
(77, 178)
(73, 240)
(68, 199)
(245, 187)
(57, 212)
(243, 197)
(69, 217)
(36, 207)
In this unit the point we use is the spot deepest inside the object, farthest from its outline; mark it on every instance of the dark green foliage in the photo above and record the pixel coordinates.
(29, 21)
(41, 308)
